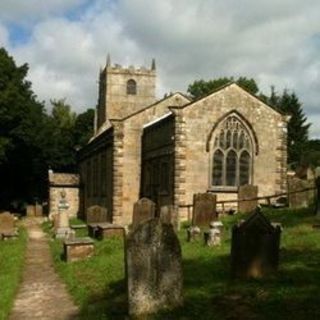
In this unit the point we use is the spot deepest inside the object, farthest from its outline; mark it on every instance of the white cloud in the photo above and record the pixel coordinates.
(277, 43)
(4, 36)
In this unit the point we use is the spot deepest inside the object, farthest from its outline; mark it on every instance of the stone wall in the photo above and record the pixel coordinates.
(65, 183)
(194, 132)
(132, 133)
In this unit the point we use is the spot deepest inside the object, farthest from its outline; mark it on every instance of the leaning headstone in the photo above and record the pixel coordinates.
(255, 247)
(204, 208)
(169, 214)
(7, 225)
(143, 209)
(154, 268)
(249, 193)
(96, 214)
(298, 198)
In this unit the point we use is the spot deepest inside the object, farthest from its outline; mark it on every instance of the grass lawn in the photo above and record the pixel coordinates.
(11, 265)
(98, 286)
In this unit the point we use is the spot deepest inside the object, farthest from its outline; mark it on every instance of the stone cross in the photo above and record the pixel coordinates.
(143, 209)
(204, 208)
(247, 192)
(255, 247)
(154, 268)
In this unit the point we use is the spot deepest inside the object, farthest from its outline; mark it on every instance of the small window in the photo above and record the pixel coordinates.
(131, 87)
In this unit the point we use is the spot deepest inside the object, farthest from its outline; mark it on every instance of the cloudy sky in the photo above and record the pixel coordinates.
(66, 41)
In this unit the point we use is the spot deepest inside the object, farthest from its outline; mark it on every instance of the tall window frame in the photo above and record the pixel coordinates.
(231, 159)
(131, 87)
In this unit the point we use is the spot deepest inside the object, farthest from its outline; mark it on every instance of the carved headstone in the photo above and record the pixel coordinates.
(298, 199)
(255, 247)
(169, 214)
(97, 214)
(247, 192)
(143, 209)
(154, 268)
(204, 208)
(7, 225)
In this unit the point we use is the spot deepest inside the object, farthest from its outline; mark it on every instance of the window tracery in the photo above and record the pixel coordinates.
(232, 154)
(131, 87)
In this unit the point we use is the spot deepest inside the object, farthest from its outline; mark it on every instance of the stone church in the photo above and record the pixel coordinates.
(169, 149)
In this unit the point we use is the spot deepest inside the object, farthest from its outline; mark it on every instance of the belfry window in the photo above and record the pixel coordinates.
(232, 154)
(131, 87)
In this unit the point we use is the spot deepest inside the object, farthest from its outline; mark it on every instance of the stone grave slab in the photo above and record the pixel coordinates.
(204, 209)
(154, 268)
(7, 225)
(170, 214)
(143, 209)
(255, 247)
(247, 192)
(108, 230)
(78, 249)
(96, 214)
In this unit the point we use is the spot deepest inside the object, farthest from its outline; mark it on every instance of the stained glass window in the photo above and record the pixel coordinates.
(232, 154)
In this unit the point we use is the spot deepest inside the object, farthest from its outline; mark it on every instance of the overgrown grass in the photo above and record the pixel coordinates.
(98, 284)
(11, 265)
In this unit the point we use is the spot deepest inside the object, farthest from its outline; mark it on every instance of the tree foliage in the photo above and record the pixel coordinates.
(32, 141)
(200, 88)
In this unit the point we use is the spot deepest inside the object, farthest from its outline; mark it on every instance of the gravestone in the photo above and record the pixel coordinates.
(7, 225)
(255, 247)
(204, 209)
(170, 214)
(213, 236)
(96, 214)
(143, 209)
(193, 233)
(298, 199)
(154, 268)
(246, 192)
(31, 210)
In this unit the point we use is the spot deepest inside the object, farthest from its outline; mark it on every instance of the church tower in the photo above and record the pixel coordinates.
(123, 91)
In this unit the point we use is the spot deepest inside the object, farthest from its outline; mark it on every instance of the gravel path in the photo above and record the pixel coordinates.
(41, 295)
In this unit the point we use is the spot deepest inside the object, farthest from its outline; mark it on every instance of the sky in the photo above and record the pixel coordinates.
(65, 42)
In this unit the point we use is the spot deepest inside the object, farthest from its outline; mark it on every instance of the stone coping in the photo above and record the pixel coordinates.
(78, 226)
(107, 225)
(78, 241)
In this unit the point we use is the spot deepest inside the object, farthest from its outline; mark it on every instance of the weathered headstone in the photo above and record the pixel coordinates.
(204, 208)
(298, 199)
(247, 192)
(7, 225)
(170, 214)
(255, 247)
(143, 209)
(38, 210)
(31, 210)
(96, 214)
(154, 268)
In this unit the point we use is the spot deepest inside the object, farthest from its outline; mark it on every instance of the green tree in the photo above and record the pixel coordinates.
(200, 88)
(298, 127)
(83, 128)
(21, 122)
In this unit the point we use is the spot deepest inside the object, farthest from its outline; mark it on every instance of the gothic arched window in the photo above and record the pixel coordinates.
(131, 87)
(232, 154)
